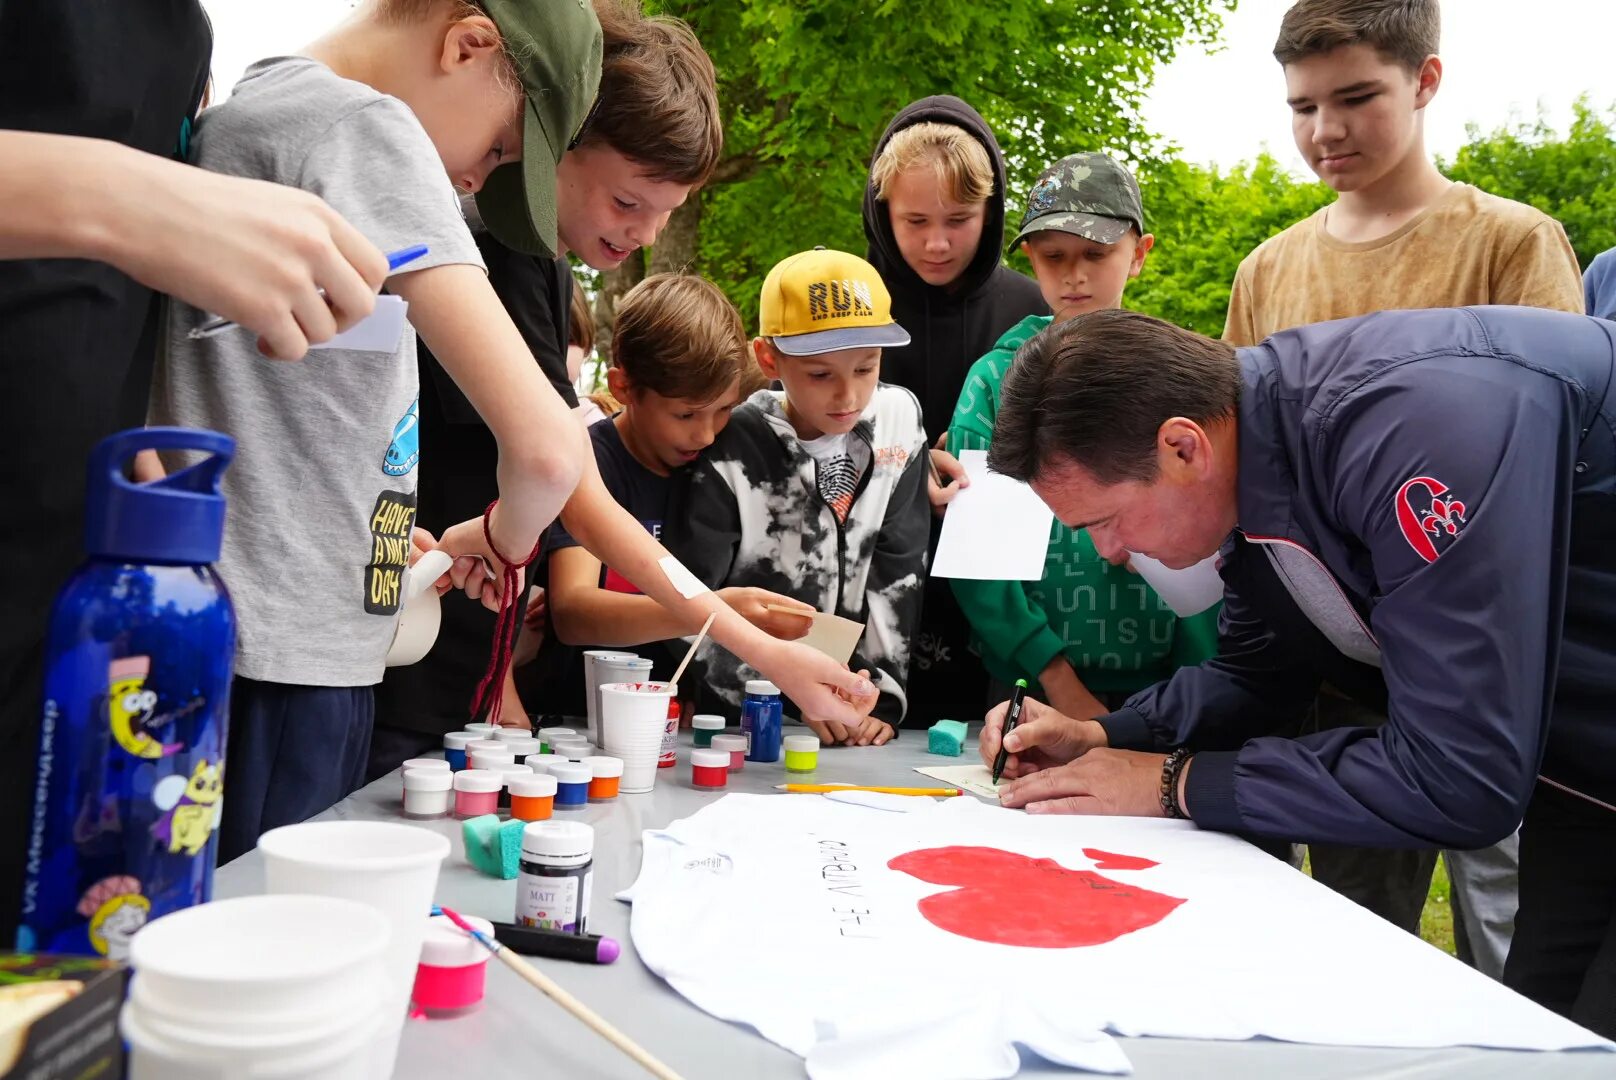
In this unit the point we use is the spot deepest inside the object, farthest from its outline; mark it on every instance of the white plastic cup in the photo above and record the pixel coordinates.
(1189, 591)
(258, 988)
(632, 718)
(610, 668)
(592, 681)
(391, 867)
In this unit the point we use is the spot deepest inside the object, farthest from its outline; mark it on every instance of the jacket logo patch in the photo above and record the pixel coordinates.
(891, 457)
(1427, 517)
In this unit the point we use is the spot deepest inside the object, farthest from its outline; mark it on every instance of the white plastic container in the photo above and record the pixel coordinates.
(389, 866)
(259, 988)
(490, 759)
(632, 719)
(426, 793)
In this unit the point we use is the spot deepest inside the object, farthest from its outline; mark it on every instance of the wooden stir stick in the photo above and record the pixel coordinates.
(694, 645)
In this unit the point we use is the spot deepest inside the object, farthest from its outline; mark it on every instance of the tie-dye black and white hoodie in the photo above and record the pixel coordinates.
(749, 513)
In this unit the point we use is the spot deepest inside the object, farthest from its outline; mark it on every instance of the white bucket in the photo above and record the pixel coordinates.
(390, 867)
(258, 988)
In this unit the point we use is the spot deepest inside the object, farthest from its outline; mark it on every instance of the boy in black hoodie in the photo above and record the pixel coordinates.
(934, 218)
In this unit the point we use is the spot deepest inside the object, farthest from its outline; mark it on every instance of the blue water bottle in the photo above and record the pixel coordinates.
(137, 694)
(760, 720)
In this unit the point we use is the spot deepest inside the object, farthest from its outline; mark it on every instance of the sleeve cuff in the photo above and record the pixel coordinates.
(1209, 791)
(1126, 729)
(1039, 650)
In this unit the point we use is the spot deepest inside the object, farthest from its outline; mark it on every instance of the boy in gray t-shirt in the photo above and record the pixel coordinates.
(322, 491)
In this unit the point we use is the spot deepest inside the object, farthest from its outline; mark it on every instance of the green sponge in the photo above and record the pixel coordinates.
(492, 847)
(946, 737)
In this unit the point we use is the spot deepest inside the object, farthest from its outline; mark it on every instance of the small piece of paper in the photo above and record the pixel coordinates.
(977, 779)
(996, 529)
(688, 584)
(379, 331)
(832, 635)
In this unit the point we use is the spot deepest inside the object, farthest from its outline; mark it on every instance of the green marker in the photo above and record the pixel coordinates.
(1011, 718)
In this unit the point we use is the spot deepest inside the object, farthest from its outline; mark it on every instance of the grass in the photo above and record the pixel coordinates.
(1436, 921)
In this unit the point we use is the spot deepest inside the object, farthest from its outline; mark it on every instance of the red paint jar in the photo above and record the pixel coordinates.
(709, 768)
(453, 968)
(735, 747)
(669, 756)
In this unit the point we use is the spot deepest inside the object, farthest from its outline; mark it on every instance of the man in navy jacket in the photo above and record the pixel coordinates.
(1416, 507)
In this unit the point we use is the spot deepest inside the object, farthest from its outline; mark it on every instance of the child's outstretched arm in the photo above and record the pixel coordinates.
(809, 678)
(541, 447)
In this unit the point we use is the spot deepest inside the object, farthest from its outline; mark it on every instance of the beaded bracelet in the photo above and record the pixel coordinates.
(1172, 768)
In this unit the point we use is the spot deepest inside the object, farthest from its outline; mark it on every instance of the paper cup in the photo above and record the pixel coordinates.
(632, 718)
(1189, 591)
(391, 867)
(592, 683)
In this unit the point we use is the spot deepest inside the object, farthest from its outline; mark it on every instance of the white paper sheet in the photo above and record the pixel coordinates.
(977, 779)
(1053, 925)
(996, 529)
(377, 332)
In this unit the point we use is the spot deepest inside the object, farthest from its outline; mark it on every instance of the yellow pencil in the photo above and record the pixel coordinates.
(820, 789)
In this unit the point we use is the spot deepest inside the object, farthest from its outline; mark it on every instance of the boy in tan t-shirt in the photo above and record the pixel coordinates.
(1358, 76)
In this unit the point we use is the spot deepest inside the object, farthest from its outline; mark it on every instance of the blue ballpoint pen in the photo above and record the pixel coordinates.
(218, 323)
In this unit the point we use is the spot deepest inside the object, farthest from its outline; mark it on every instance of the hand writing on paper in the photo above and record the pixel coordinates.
(1103, 781)
(754, 606)
(865, 731)
(1042, 740)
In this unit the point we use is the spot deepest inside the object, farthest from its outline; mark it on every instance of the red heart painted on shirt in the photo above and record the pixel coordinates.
(1010, 899)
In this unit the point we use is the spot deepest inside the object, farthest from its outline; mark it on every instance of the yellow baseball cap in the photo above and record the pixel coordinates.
(820, 301)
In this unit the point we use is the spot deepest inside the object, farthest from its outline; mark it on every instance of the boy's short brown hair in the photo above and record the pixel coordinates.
(678, 335)
(960, 163)
(1403, 31)
(658, 101)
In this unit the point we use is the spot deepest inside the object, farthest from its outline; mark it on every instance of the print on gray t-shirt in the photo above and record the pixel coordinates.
(322, 492)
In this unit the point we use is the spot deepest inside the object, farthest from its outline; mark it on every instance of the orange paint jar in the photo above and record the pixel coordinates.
(532, 797)
(605, 773)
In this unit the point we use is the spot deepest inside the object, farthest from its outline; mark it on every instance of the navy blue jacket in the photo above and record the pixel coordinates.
(1427, 520)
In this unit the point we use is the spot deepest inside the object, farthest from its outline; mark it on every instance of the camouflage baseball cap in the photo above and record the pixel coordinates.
(1091, 195)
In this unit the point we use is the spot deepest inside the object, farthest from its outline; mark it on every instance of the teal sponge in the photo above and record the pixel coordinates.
(946, 737)
(492, 847)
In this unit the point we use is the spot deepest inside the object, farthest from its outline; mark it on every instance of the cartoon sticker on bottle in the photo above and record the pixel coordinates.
(405, 449)
(116, 909)
(132, 708)
(192, 808)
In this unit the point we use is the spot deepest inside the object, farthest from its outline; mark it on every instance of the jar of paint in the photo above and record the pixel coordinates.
(512, 734)
(483, 744)
(548, 736)
(552, 890)
(476, 793)
(426, 792)
(705, 726)
(709, 768)
(532, 797)
(574, 750)
(482, 731)
(488, 759)
(505, 771)
(454, 748)
(572, 784)
(604, 775)
(423, 763)
(761, 720)
(526, 746)
(802, 753)
(735, 747)
(450, 978)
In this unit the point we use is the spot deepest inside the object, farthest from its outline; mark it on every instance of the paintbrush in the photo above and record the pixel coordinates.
(548, 986)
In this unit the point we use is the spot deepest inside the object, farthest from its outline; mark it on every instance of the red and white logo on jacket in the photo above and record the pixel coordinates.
(1429, 519)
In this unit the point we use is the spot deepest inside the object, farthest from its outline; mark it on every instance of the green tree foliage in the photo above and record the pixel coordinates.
(1571, 178)
(807, 86)
(1205, 221)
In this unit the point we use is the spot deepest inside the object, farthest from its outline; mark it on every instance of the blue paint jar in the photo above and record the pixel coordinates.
(138, 659)
(761, 720)
(572, 785)
(454, 748)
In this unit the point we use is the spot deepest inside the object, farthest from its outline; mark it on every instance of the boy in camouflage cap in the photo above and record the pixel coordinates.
(1090, 633)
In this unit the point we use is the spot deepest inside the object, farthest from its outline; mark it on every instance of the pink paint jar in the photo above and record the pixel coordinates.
(735, 747)
(453, 968)
(476, 793)
(709, 768)
(426, 793)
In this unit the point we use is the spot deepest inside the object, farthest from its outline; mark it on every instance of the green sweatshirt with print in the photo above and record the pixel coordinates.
(1114, 630)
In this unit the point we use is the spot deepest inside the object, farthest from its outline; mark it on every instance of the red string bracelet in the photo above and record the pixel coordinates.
(491, 690)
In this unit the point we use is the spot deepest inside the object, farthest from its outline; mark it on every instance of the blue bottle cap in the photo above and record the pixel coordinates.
(178, 519)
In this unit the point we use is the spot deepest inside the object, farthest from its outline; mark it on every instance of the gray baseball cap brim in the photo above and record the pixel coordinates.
(889, 336)
(1096, 227)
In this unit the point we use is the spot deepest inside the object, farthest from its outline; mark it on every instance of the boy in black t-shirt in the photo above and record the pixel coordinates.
(680, 364)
